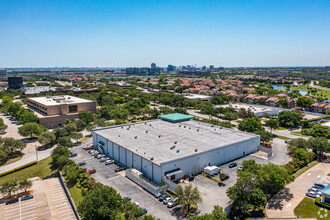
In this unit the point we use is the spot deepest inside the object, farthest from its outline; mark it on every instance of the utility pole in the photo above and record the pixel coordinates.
(36, 153)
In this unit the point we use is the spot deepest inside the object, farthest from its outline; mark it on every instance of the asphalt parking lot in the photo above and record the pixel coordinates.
(106, 174)
(21, 210)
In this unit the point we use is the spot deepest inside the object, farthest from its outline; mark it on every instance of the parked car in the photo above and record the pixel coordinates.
(128, 198)
(119, 169)
(318, 186)
(100, 156)
(11, 201)
(221, 184)
(88, 148)
(158, 195)
(232, 165)
(314, 190)
(108, 162)
(136, 204)
(27, 197)
(73, 155)
(240, 168)
(286, 141)
(166, 200)
(103, 159)
(312, 194)
(161, 198)
(144, 210)
(173, 203)
(81, 163)
(91, 171)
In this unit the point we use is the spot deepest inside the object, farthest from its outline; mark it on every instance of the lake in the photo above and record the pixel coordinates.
(302, 92)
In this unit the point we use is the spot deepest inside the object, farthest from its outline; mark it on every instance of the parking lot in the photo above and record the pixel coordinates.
(49, 202)
(106, 174)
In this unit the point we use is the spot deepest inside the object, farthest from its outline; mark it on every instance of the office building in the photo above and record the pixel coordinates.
(3, 73)
(53, 111)
(15, 82)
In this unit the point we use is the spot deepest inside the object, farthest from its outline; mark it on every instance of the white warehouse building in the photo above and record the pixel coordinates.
(173, 146)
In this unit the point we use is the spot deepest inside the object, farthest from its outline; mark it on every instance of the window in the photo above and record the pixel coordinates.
(73, 108)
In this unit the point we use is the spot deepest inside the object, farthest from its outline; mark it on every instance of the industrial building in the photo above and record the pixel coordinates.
(52, 111)
(173, 146)
(258, 110)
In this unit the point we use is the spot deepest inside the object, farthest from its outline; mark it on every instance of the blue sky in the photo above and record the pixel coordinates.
(106, 33)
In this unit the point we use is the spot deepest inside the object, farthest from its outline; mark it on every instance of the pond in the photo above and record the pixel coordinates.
(302, 92)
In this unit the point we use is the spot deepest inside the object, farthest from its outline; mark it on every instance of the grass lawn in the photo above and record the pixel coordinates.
(307, 209)
(41, 169)
(282, 137)
(304, 169)
(323, 93)
(76, 194)
(11, 161)
(298, 133)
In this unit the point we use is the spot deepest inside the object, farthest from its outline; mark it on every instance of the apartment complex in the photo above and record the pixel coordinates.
(53, 111)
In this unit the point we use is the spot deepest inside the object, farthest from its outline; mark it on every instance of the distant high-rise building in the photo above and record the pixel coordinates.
(3, 74)
(327, 67)
(211, 67)
(15, 82)
(170, 68)
(204, 68)
(153, 66)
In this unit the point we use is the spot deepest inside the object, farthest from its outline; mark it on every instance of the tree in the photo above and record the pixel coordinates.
(71, 127)
(25, 185)
(119, 113)
(319, 145)
(217, 214)
(242, 113)
(99, 122)
(257, 198)
(118, 100)
(80, 124)
(250, 125)
(283, 102)
(188, 196)
(6, 100)
(302, 155)
(25, 116)
(14, 108)
(8, 188)
(304, 102)
(76, 136)
(272, 124)
(181, 110)
(166, 110)
(87, 117)
(60, 132)
(65, 141)
(102, 203)
(3, 127)
(12, 145)
(31, 129)
(46, 138)
(265, 136)
(289, 118)
(299, 143)
(60, 156)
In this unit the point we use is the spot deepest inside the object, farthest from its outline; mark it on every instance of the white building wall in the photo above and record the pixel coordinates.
(122, 155)
(147, 168)
(129, 158)
(137, 162)
(157, 173)
(115, 152)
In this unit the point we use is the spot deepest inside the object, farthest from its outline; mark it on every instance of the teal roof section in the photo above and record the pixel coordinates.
(176, 117)
(326, 190)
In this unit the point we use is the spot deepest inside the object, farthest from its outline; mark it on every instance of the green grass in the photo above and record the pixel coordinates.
(307, 209)
(41, 169)
(282, 137)
(304, 169)
(280, 128)
(76, 194)
(323, 93)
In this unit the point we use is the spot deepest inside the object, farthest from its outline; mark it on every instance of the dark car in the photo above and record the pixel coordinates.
(161, 198)
(144, 210)
(232, 165)
(119, 169)
(81, 163)
(319, 186)
(11, 201)
(73, 155)
(27, 197)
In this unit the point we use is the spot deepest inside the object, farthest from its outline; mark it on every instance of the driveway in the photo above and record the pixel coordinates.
(283, 204)
(107, 176)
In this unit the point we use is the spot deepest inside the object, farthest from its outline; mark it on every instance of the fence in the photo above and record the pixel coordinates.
(170, 184)
(145, 183)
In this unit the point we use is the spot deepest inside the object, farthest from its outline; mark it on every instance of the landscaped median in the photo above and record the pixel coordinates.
(18, 168)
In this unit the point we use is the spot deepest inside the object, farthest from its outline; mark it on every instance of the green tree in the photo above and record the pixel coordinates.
(47, 138)
(60, 157)
(265, 136)
(302, 155)
(8, 188)
(250, 125)
(24, 116)
(14, 108)
(166, 110)
(102, 203)
(76, 136)
(304, 102)
(7, 100)
(87, 117)
(283, 102)
(289, 118)
(217, 214)
(257, 198)
(31, 129)
(299, 143)
(25, 185)
(11, 145)
(319, 145)
(272, 124)
(65, 141)
(188, 196)
(3, 127)
(70, 128)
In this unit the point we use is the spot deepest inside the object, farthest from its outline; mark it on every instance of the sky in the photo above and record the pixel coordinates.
(122, 33)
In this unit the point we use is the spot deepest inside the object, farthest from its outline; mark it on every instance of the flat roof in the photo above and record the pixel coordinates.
(155, 138)
(176, 117)
(59, 100)
(254, 108)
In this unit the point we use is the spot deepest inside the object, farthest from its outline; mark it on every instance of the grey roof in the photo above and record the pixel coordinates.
(155, 138)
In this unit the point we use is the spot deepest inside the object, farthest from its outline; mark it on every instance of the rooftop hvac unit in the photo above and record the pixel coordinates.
(184, 126)
(151, 158)
(159, 136)
(178, 151)
(179, 126)
(135, 137)
(122, 127)
(196, 149)
(197, 130)
(147, 131)
(212, 126)
(127, 129)
(149, 125)
(189, 127)
(175, 142)
(118, 135)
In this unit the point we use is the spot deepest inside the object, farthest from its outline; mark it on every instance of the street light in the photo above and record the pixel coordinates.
(36, 152)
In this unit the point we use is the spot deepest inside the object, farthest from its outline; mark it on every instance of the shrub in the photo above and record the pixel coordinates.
(18, 168)
(223, 176)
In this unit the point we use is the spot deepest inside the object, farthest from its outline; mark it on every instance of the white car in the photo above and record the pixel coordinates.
(108, 162)
(136, 204)
(314, 190)
(173, 202)
(312, 194)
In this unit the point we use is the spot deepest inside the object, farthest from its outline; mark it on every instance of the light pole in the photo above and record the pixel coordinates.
(36, 153)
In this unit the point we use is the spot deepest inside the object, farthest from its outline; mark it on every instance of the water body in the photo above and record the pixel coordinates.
(302, 92)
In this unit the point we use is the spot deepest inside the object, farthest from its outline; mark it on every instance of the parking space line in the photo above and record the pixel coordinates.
(10, 210)
(59, 198)
(25, 216)
(28, 205)
(66, 215)
(28, 202)
(29, 208)
(64, 210)
(113, 177)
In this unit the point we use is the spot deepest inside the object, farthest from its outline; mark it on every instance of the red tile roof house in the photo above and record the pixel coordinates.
(318, 107)
(259, 97)
(272, 101)
(250, 98)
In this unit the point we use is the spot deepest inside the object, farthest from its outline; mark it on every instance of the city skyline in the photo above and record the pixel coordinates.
(134, 34)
